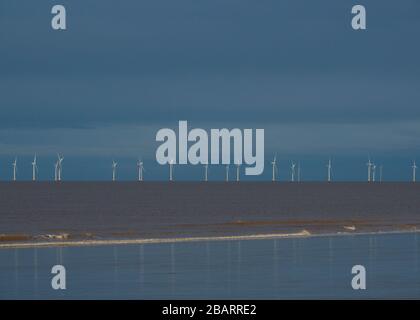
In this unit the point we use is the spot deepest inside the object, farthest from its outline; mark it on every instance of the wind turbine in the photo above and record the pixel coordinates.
(140, 169)
(381, 167)
(56, 171)
(369, 166)
(329, 166)
(206, 172)
(293, 171)
(238, 167)
(227, 173)
(171, 164)
(114, 170)
(34, 168)
(14, 164)
(298, 172)
(59, 166)
(273, 163)
(373, 172)
(414, 171)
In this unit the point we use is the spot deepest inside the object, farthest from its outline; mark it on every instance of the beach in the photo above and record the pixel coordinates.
(316, 267)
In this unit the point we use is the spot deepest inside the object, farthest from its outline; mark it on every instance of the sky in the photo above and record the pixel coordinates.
(101, 89)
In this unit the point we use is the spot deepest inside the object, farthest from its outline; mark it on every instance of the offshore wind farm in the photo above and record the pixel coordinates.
(294, 175)
(35, 212)
(284, 236)
(213, 149)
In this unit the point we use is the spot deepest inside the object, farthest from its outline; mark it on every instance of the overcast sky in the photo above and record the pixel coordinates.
(123, 69)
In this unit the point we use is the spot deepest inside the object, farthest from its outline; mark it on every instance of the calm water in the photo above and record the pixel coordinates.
(318, 267)
(194, 209)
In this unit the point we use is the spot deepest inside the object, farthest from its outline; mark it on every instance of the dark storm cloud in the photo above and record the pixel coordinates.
(144, 62)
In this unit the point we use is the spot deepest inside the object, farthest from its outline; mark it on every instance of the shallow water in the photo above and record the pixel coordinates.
(314, 267)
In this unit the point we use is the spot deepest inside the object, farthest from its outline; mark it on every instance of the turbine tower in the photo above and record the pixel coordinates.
(369, 166)
(14, 165)
(206, 172)
(238, 167)
(140, 169)
(114, 170)
(414, 171)
(59, 166)
(329, 166)
(227, 173)
(381, 167)
(34, 169)
(171, 164)
(56, 171)
(293, 171)
(373, 172)
(298, 172)
(273, 163)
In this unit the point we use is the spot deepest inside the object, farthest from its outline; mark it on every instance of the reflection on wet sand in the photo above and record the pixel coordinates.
(278, 268)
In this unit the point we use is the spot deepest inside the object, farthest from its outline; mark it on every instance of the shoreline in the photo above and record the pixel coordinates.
(83, 243)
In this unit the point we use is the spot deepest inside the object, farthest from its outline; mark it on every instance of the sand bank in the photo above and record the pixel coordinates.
(79, 243)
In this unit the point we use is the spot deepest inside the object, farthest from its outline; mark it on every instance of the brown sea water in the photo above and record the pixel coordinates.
(110, 210)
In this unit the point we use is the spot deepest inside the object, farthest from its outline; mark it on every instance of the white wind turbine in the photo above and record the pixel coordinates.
(298, 172)
(373, 172)
(206, 172)
(56, 171)
(293, 171)
(381, 167)
(14, 165)
(59, 166)
(329, 167)
(114, 170)
(227, 173)
(238, 167)
(369, 166)
(275, 169)
(140, 169)
(34, 168)
(171, 164)
(414, 171)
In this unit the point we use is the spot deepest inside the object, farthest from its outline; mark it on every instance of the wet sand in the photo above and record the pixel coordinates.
(314, 267)
(99, 212)
(80, 243)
